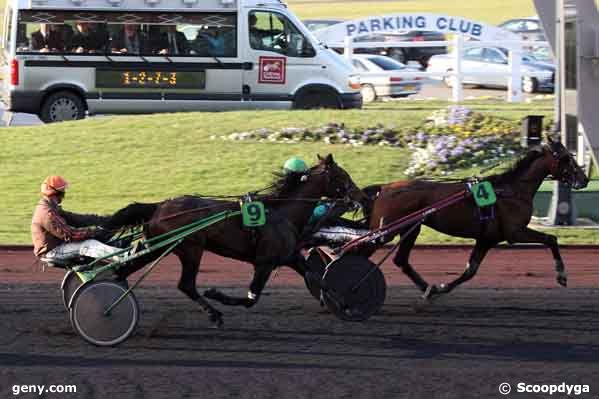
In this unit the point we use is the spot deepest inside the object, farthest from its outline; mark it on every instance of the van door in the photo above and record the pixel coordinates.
(282, 60)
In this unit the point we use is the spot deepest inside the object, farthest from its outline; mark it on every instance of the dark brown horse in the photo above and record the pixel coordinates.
(515, 191)
(289, 204)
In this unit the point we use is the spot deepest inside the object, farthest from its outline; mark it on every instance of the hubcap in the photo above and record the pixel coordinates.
(368, 94)
(63, 109)
(528, 85)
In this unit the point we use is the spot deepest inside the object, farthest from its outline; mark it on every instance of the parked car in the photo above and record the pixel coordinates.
(379, 77)
(536, 76)
(403, 55)
(529, 28)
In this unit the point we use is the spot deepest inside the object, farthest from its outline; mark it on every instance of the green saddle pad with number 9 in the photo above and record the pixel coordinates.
(253, 214)
(483, 193)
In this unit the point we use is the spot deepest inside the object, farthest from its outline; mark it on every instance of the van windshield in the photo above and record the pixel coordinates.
(130, 33)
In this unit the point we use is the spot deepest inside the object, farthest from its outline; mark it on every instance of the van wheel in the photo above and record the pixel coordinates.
(368, 93)
(529, 84)
(313, 99)
(62, 106)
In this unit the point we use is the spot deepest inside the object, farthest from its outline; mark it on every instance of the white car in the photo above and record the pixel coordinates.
(379, 77)
(536, 75)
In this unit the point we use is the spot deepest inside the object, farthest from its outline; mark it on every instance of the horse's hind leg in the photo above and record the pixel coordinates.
(476, 257)
(402, 256)
(261, 275)
(190, 261)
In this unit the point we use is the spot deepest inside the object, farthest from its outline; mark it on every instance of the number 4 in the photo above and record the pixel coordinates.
(482, 192)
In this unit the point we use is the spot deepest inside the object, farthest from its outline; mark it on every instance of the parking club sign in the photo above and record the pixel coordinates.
(405, 22)
(272, 70)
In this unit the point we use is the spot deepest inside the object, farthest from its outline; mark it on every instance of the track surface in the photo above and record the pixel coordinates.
(511, 324)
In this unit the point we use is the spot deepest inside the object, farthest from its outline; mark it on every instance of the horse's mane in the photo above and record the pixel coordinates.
(282, 186)
(520, 165)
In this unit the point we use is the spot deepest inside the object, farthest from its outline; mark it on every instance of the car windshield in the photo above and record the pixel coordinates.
(386, 63)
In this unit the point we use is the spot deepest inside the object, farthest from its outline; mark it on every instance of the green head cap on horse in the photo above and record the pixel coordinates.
(295, 165)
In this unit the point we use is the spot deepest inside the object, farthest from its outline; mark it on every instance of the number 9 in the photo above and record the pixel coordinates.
(254, 212)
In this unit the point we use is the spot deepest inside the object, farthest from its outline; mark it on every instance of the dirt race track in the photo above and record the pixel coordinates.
(511, 324)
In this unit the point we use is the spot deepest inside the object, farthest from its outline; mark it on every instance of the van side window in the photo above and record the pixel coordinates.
(271, 31)
(129, 33)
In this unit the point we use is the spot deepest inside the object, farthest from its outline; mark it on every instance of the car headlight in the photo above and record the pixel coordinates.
(354, 82)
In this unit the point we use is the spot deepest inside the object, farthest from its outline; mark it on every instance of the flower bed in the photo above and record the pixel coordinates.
(449, 139)
(457, 138)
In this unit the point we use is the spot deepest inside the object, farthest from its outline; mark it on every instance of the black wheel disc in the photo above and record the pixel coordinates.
(315, 267)
(89, 320)
(346, 295)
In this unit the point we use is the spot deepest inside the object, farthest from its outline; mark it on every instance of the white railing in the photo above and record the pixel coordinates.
(514, 47)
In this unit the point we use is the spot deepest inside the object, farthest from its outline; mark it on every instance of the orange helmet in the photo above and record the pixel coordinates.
(53, 185)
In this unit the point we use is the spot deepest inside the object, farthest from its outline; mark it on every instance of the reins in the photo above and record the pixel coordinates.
(226, 205)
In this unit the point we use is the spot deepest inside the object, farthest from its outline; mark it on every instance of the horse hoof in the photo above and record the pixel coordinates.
(217, 320)
(563, 281)
(431, 292)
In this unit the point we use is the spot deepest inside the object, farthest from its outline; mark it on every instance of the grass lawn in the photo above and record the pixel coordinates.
(492, 11)
(112, 161)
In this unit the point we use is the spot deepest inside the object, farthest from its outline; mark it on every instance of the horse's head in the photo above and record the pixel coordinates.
(563, 166)
(334, 180)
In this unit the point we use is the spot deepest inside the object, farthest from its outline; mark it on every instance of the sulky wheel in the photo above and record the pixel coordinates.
(71, 282)
(345, 296)
(87, 313)
(315, 267)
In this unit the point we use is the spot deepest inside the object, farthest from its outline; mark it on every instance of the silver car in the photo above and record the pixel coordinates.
(536, 76)
(380, 77)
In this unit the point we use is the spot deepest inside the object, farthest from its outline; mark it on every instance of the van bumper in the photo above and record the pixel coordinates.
(351, 100)
(23, 101)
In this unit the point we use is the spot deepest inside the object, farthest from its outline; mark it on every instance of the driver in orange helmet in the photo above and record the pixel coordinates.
(56, 239)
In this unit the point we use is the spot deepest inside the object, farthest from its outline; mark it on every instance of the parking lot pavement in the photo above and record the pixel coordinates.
(19, 119)
(438, 90)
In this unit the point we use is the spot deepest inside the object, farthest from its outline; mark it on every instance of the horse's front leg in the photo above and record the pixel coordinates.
(527, 235)
(261, 275)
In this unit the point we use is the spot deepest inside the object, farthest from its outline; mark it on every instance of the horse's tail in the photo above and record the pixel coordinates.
(133, 214)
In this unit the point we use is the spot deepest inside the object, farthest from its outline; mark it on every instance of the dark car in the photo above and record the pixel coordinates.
(401, 54)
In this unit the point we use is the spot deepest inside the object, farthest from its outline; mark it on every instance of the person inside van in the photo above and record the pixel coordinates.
(130, 40)
(256, 34)
(89, 38)
(173, 42)
(261, 39)
(214, 40)
(46, 39)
